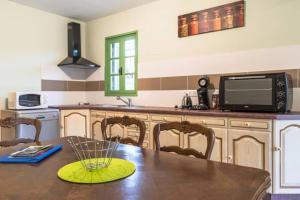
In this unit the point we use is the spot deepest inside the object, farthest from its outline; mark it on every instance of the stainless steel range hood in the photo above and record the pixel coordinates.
(74, 58)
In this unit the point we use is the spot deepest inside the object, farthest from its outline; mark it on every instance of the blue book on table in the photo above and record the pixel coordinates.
(35, 159)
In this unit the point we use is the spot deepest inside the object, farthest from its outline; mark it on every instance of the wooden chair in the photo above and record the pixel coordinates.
(125, 121)
(12, 122)
(185, 127)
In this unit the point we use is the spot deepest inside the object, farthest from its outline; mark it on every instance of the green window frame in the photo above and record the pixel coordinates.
(121, 58)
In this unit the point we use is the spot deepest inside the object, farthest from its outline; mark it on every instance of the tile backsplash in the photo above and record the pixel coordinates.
(157, 83)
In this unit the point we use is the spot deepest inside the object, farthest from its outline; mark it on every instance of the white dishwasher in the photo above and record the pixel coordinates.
(50, 124)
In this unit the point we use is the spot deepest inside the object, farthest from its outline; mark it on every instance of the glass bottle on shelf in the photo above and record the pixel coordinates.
(228, 18)
(204, 24)
(239, 15)
(183, 27)
(194, 25)
(216, 23)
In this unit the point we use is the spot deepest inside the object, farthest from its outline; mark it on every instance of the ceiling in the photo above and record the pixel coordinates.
(84, 10)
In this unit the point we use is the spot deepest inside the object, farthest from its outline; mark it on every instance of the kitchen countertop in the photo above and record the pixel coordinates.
(178, 111)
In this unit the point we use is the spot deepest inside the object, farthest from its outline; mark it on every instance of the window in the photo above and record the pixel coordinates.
(121, 65)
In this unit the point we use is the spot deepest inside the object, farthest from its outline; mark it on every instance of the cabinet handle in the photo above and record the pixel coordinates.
(203, 122)
(229, 157)
(247, 124)
(277, 148)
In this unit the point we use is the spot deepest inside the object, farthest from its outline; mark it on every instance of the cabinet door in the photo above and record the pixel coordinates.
(96, 119)
(116, 129)
(168, 138)
(75, 123)
(199, 143)
(249, 148)
(286, 157)
(113, 130)
(96, 132)
(218, 124)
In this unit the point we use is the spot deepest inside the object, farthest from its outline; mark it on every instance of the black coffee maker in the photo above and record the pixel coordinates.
(202, 92)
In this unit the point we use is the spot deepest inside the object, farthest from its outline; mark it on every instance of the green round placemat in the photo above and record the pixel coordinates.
(76, 173)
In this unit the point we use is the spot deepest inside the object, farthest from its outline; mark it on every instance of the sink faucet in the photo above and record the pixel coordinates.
(128, 102)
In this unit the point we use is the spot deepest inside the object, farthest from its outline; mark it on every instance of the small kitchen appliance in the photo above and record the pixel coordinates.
(202, 93)
(27, 100)
(257, 92)
(186, 102)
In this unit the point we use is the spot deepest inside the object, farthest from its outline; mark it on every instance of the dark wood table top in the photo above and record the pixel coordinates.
(178, 111)
(159, 175)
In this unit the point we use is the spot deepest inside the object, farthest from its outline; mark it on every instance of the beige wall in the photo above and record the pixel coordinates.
(32, 42)
(270, 40)
(269, 24)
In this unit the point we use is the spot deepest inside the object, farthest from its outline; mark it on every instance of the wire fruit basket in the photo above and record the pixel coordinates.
(93, 154)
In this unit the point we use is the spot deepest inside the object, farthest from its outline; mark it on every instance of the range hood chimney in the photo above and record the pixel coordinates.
(74, 58)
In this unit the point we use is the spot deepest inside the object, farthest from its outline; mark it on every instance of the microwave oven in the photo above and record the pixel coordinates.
(257, 92)
(27, 100)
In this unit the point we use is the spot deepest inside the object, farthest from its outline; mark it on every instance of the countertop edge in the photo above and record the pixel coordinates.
(176, 111)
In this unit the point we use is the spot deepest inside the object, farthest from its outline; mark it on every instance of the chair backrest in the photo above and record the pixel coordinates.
(125, 121)
(185, 127)
(12, 122)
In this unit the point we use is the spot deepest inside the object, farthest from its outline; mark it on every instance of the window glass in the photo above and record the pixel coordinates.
(115, 50)
(129, 48)
(129, 82)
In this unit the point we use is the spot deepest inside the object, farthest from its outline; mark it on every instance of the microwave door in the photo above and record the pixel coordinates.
(255, 93)
(30, 100)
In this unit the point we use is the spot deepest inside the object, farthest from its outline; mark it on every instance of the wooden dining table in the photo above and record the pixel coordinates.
(158, 176)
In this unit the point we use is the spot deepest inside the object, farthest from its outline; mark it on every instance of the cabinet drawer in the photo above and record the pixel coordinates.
(136, 128)
(136, 134)
(207, 121)
(114, 114)
(138, 116)
(166, 118)
(250, 124)
(98, 114)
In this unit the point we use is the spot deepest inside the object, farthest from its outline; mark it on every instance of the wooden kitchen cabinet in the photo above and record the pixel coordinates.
(167, 138)
(198, 142)
(250, 149)
(286, 151)
(75, 123)
(98, 116)
(249, 143)
(96, 119)
(268, 144)
(116, 129)
(134, 132)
